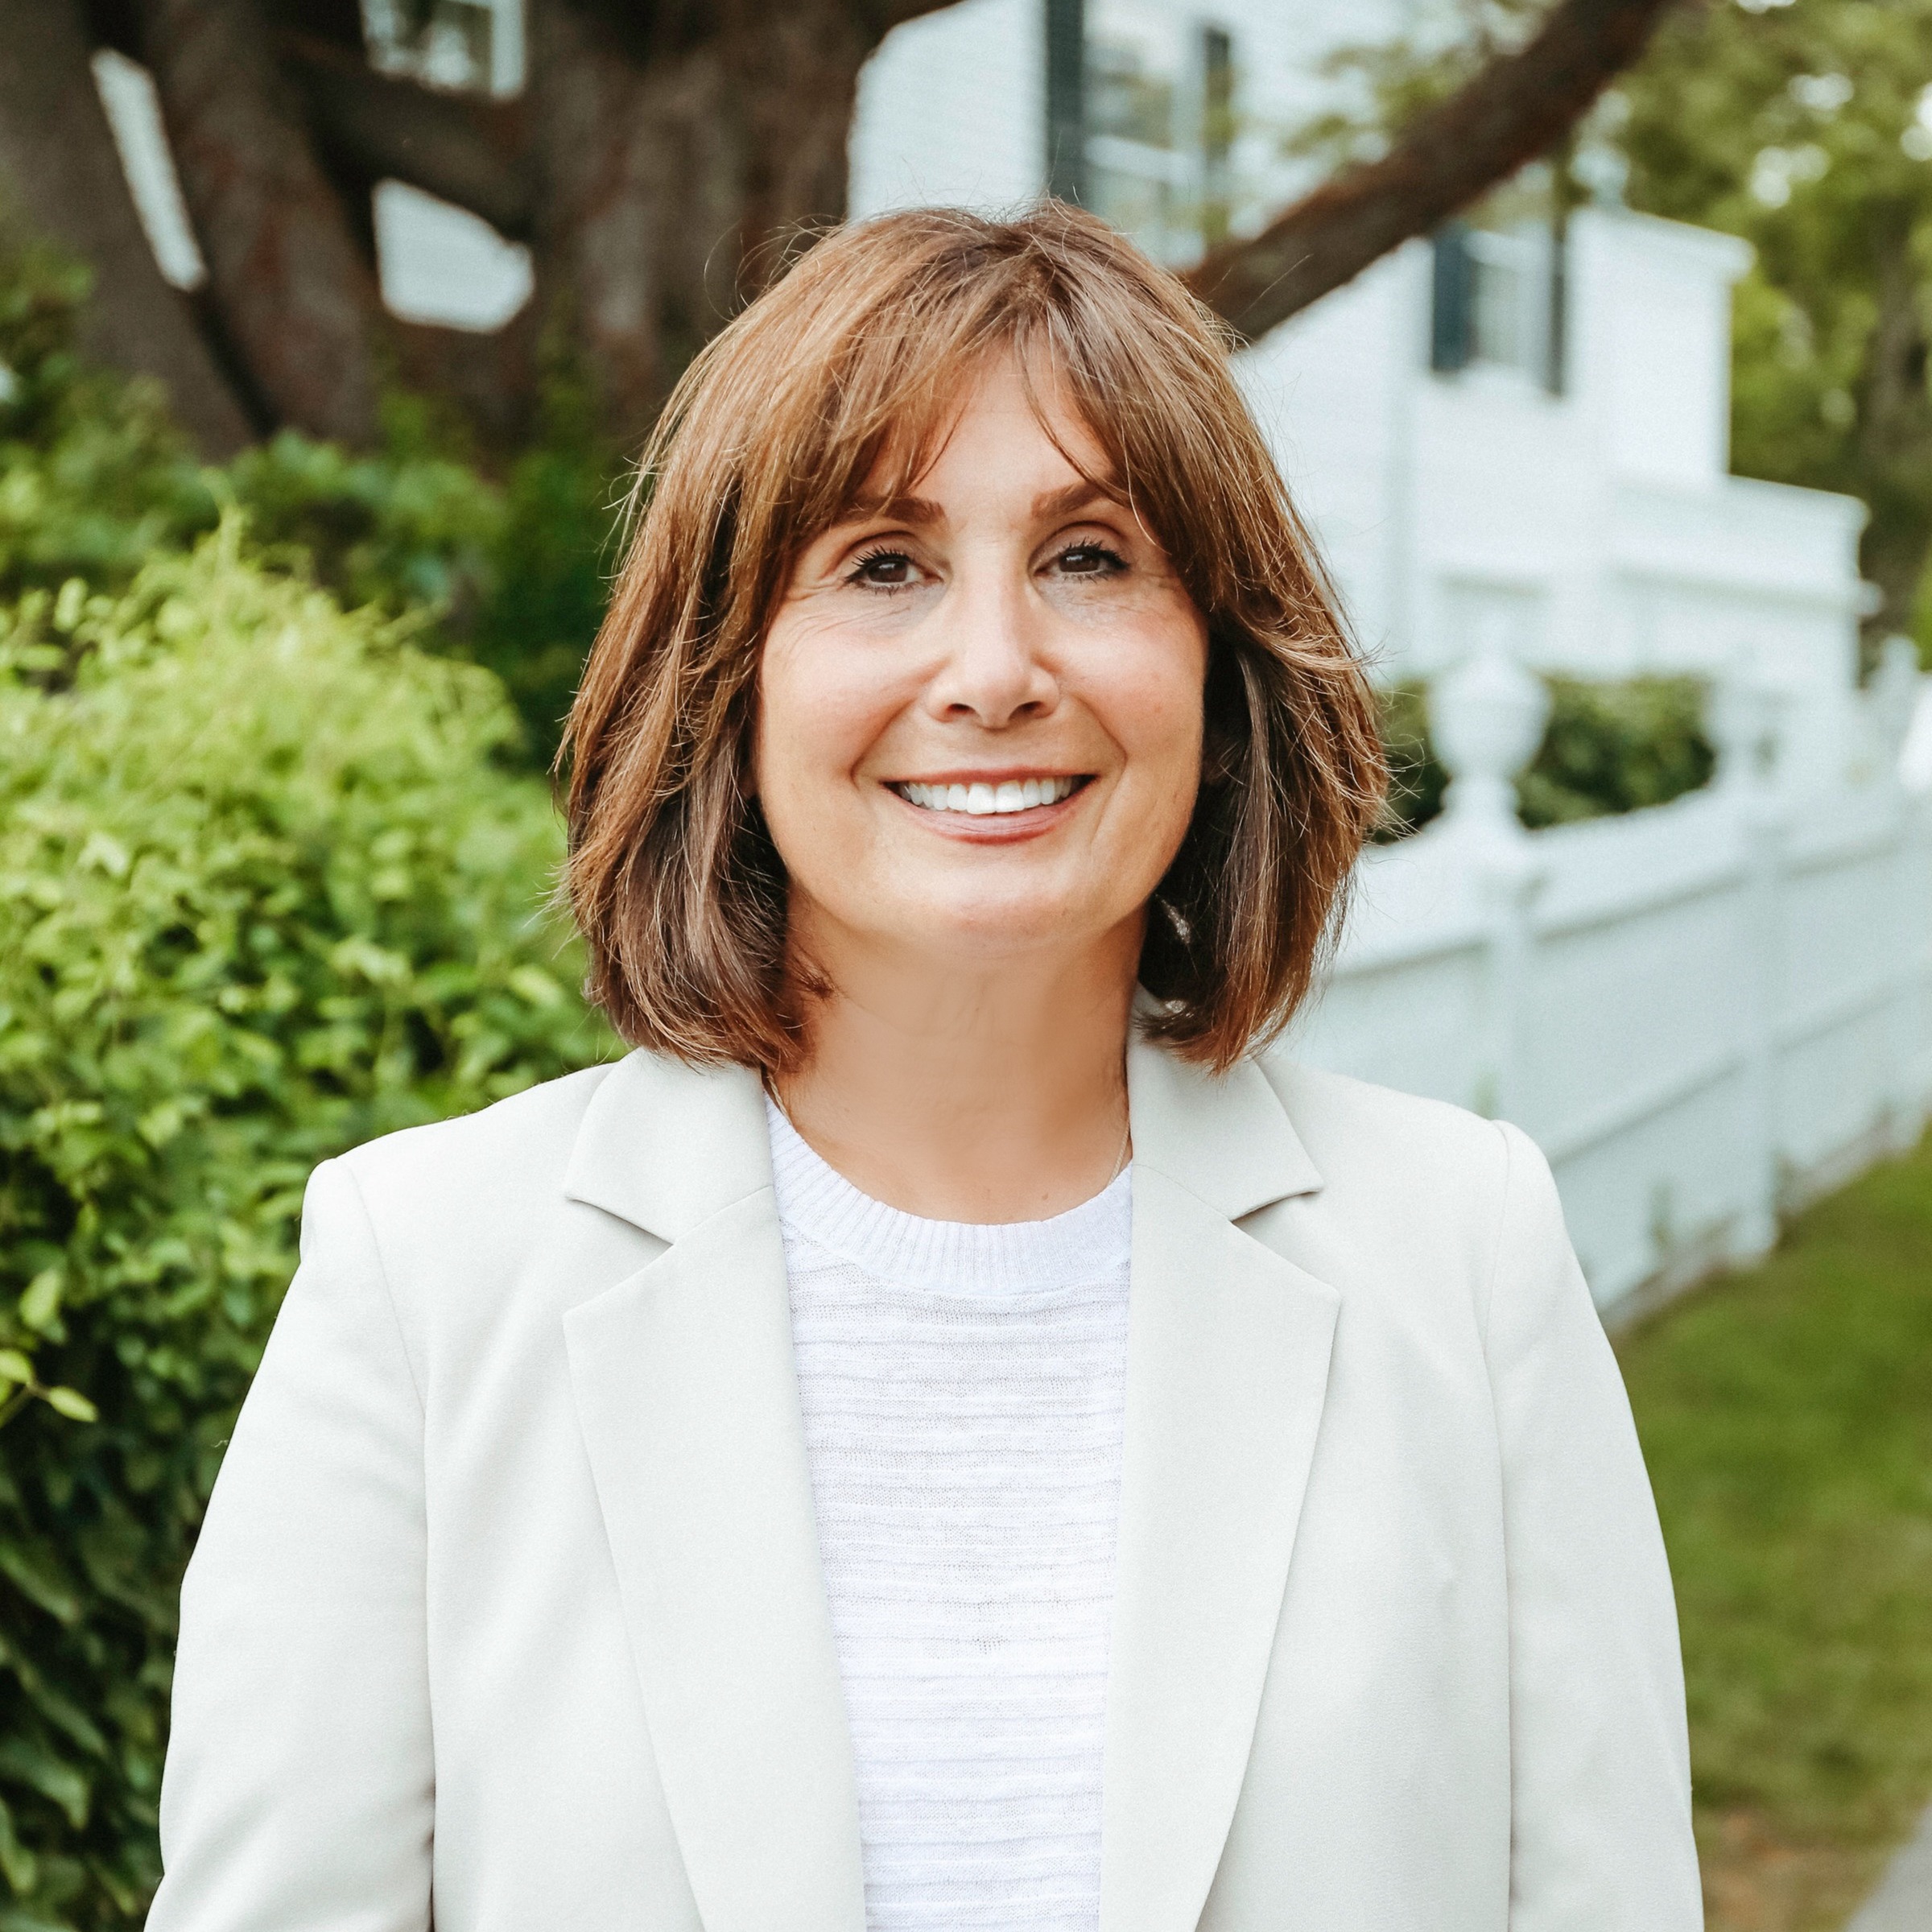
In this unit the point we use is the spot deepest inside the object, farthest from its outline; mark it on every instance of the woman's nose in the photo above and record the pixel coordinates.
(993, 671)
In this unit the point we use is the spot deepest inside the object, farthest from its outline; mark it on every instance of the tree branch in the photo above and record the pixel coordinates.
(1515, 109)
(462, 148)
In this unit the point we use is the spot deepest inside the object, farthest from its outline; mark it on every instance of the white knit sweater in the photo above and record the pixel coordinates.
(963, 1389)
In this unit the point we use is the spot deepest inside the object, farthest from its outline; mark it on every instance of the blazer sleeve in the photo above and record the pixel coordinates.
(1600, 1780)
(299, 1793)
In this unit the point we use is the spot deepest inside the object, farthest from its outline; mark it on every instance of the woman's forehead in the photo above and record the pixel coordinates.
(915, 445)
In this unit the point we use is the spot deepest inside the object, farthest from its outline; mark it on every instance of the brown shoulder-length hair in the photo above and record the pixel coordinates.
(853, 362)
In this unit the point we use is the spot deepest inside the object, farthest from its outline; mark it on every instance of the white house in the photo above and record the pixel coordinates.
(1490, 436)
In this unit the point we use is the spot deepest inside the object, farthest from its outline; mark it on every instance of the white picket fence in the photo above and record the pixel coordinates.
(1705, 1013)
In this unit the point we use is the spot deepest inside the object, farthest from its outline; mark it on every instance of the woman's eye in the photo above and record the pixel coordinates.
(1089, 560)
(885, 570)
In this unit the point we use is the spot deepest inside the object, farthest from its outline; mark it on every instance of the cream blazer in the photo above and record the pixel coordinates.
(510, 1597)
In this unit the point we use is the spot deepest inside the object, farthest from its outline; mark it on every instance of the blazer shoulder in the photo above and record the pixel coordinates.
(1436, 1187)
(1355, 1129)
(505, 1153)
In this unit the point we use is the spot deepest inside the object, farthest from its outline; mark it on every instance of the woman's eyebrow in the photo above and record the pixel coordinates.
(1070, 497)
(920, 512)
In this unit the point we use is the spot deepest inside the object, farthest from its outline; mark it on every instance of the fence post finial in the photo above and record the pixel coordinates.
(1486, 718)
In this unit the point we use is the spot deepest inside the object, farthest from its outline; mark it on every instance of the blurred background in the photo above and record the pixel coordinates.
(1592, 336)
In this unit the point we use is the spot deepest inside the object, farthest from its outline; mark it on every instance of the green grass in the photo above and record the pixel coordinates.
(1787, 1414)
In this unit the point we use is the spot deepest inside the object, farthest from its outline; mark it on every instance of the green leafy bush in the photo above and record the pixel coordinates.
(511, 574)
(549, 564)
(93, 474)
(409, 528)
(510, 568)
(1616, 745)
(1611, 746)
(267, 887)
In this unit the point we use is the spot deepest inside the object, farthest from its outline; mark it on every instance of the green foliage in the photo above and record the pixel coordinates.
(408, 528)
(514, 575)
(1806, 128)
(93, 475)
(266, 888)
(1786, 1417)
(95, 479)
(550, 563)
(270, 878)
(1611, 746)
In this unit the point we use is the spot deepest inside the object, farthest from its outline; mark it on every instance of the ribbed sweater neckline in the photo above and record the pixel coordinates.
(1085, 1244)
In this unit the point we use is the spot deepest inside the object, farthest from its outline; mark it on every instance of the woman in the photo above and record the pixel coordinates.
(943, 1435)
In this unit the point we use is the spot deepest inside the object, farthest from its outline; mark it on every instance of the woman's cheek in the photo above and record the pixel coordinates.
(1153, 701)
(821, 728)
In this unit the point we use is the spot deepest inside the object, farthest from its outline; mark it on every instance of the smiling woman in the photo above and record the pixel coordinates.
(782, 494)
(948, 1433)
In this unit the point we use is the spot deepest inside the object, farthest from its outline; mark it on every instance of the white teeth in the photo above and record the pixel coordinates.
(988, 801)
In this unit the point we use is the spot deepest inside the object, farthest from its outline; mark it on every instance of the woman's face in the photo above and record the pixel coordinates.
(980, 707)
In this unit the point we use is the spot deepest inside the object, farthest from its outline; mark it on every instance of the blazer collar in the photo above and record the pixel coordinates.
(1227, 1139)
(687, 1399)
(665, 1145)
(1227, 1356)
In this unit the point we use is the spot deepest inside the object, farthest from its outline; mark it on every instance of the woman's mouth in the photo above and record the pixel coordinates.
(982, 799)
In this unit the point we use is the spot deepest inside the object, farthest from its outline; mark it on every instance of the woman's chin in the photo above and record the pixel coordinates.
(997, 930)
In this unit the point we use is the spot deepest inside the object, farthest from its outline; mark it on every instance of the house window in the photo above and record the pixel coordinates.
(1498, 301)
(446, 45)
(1138, 172)
(1157, 121)
(1499, 287)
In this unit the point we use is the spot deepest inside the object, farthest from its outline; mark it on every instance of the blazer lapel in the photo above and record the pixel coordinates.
(1227, 1364)
(687, 1400)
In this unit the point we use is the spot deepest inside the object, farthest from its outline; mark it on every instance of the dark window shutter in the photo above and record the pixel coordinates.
(1452, 310)
(1217, 133)
(1066, 99)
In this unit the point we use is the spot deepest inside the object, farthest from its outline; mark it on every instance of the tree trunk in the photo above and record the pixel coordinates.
(296, 295)
(61, 170)
(671, 170)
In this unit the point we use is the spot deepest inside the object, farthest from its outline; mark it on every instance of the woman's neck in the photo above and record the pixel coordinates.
(989, 1094)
